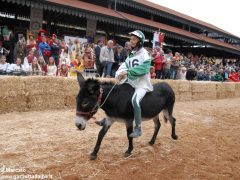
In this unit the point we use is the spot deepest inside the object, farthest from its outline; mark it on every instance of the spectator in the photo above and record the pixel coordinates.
(77, 66)
(167, 64)
(118, 59)
(191, 73)
(65, 57)
(35, 68)
(152, 72)
(182, 73)
(126, 50)
(63, 70)
(20, 50)
(97, 60)
(17, 69)
(51, 67)
(175, 63)
(107, 58)
(3, 65)
(42, 65)
(30, 57)
(88, 57)
(3, 51)
(55, 49)
(45, 49)
(158, 64)
(31, 43)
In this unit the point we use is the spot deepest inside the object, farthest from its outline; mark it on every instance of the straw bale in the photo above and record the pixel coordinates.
(70, 86)
(43, 85)
(203, 86)
(11, 86)
(184, 96)
(42, 102)
(70, 101)
(237, 90)
(225, 90)
(208, 95)
(10, 104)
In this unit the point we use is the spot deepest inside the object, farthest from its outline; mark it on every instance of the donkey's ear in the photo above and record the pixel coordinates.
(80, 78)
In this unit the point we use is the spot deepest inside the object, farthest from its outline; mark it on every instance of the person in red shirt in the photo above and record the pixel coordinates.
(234, 76)
(158, 64)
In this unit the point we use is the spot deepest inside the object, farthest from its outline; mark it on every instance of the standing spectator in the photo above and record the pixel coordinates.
(152, 72)
(126, 50)
(77, 65)
(45, 49)
(55, 49)
(118, 59)
(88, 57)
(174, 66)
(3, 65)
(9, 44)
(20, 50)
(167, 64)
(65, 57)
(51, 67)
(191, 73)
(107, 58)
(97, 60)
(31, 43)
(3, 51)
(43, 65)
(158, 64)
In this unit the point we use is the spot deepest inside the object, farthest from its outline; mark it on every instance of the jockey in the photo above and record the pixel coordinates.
(136, 71)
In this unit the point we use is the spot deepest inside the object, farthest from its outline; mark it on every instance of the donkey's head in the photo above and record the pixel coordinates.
(88, 100)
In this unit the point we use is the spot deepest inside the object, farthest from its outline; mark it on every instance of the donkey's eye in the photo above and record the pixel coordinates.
(84, 104)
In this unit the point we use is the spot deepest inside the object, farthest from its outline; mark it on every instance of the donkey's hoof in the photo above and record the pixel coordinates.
(151, 143)
(93, 157)
(127, 154)
(175, 137)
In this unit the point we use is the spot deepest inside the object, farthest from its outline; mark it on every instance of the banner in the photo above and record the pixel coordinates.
(158, 39)
(36, 19)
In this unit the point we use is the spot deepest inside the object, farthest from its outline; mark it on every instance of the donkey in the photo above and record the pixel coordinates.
(115, 100)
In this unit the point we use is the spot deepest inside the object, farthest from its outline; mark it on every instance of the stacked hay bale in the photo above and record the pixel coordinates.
(12, 94)
(226, 90)
(181, 88)
(202, 90)
(237, 90)
(70, 89)
(44, 92)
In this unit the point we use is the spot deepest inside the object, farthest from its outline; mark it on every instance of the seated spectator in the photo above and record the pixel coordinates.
(34, 68)
(202, 76)
(3, 65)
(30, 57)
(17, 69)
(42, 65)
(191, 73)
(218, 77)
(63, 71)
(77, 66)
(51, 67)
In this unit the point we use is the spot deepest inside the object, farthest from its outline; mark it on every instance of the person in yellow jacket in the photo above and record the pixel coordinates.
(77, 65)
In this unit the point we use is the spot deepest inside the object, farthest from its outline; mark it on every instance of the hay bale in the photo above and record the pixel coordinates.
(237, 90)
(43, 102)
(11, 86)
(44, 85)
(13, 103)
(225, 90)
(184, 96)
(70, 101)
(203, 86)
(70, 87)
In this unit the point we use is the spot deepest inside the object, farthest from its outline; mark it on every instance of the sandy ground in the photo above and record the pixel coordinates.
(48, 143)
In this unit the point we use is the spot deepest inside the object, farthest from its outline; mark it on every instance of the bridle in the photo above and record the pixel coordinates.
(95, 108)
(98, 104)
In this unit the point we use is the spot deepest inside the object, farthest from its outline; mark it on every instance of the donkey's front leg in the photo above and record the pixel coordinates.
(129, 127)
(107, 124)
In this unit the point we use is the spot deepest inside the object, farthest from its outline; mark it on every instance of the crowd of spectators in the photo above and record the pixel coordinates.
(51, 56)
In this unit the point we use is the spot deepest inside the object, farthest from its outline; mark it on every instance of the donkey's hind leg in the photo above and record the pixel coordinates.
(169, 117)
(129, 127)
(157, 126)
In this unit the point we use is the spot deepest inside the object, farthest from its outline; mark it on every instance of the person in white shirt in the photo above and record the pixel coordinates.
(51, 67)
(3, 65)
(17, 68)
(107, 58)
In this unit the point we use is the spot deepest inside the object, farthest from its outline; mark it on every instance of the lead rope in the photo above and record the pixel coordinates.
(108, 95)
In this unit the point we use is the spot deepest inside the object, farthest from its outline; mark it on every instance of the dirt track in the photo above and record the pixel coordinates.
(48, 143)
